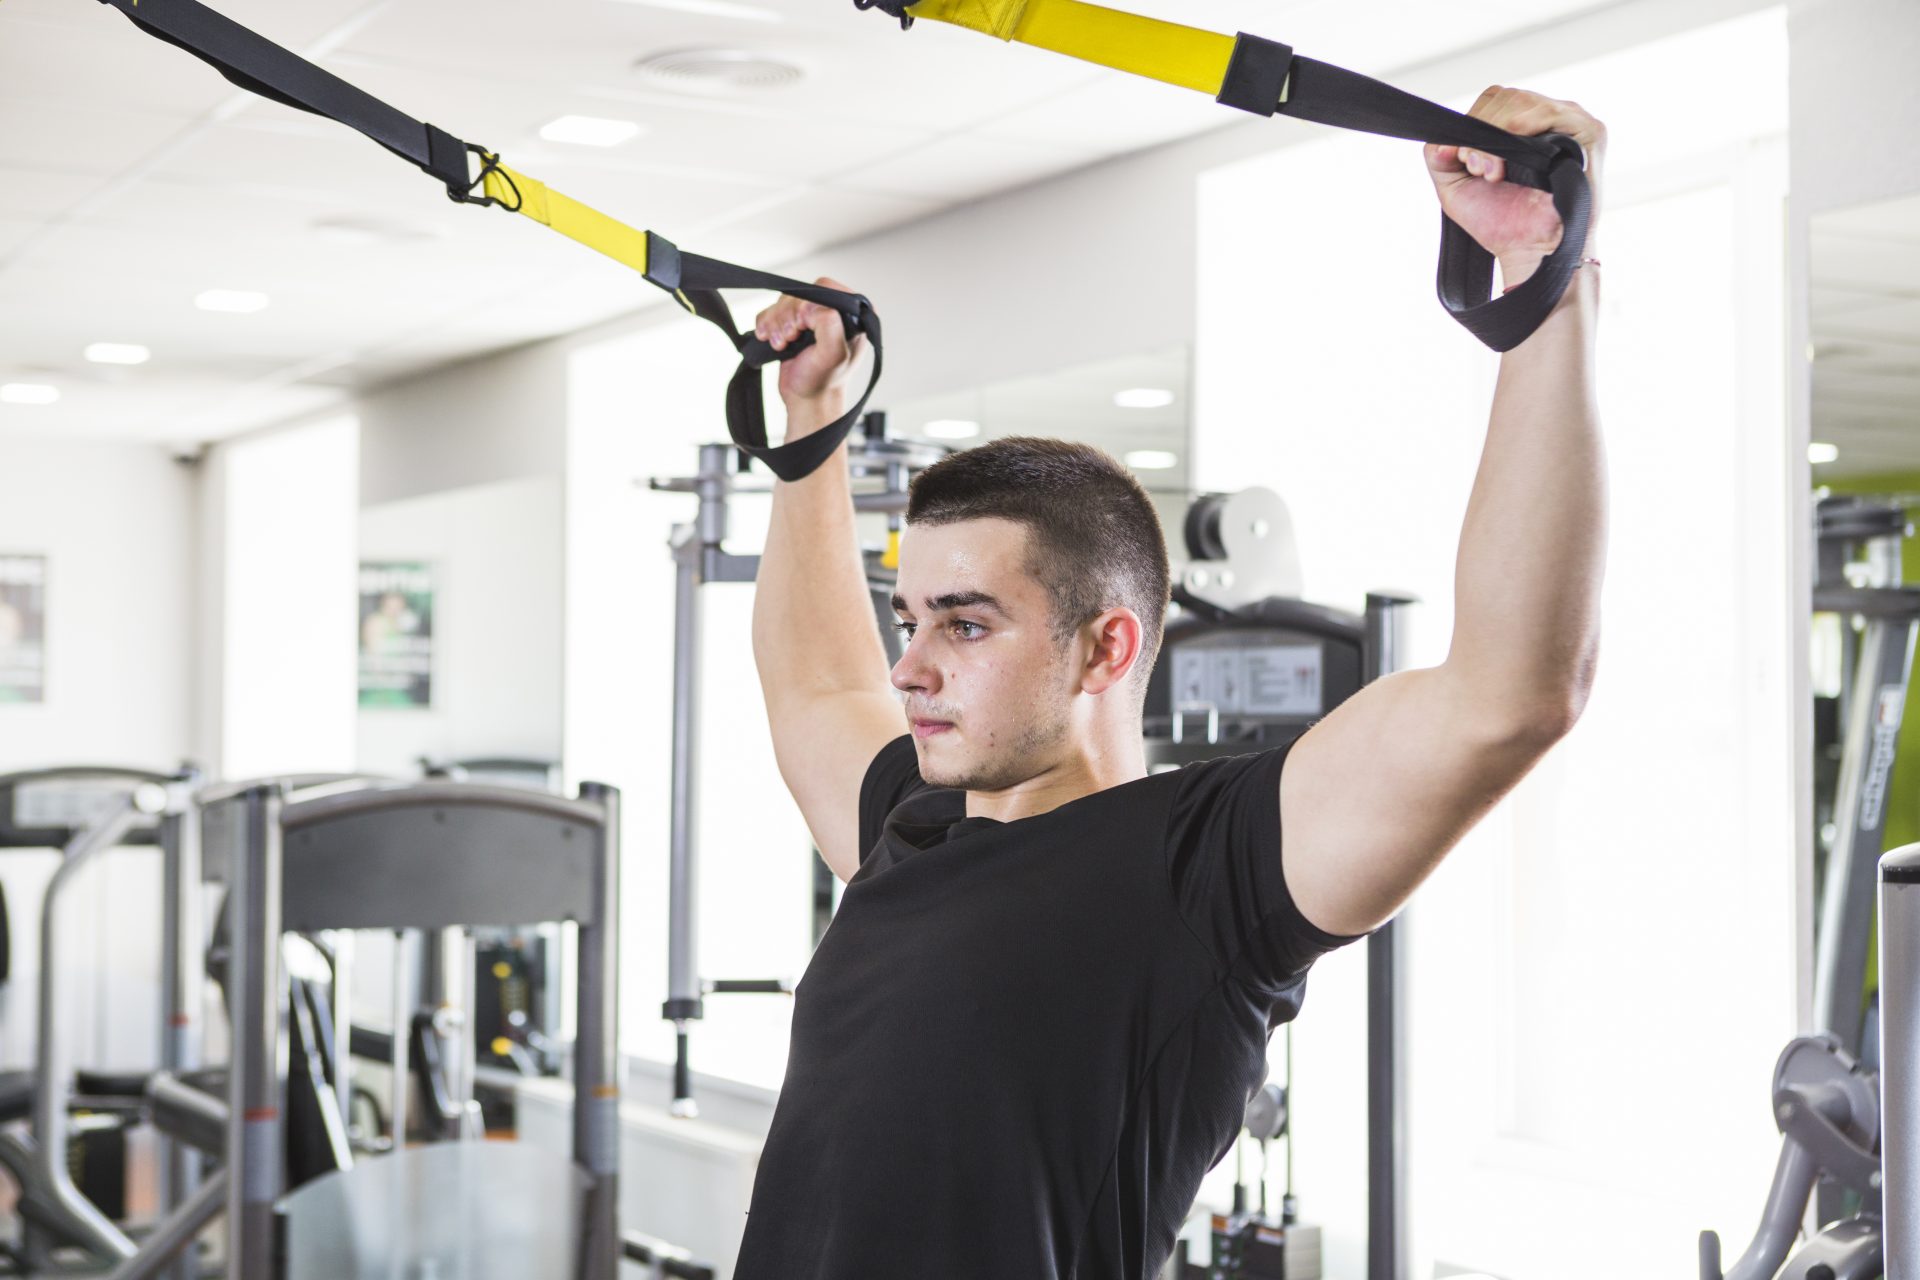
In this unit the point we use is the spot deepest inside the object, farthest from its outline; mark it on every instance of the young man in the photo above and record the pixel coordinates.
(1046, 998)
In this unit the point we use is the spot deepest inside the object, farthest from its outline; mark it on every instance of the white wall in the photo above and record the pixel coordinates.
(496, 555)
(497, 417)
(285, 539)
(116, 523)
(1606, 964)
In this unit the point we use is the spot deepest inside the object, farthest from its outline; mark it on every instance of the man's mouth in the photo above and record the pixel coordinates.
(923, 729)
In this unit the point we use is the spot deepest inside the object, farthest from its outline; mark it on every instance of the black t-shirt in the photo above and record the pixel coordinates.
(1021, 1045)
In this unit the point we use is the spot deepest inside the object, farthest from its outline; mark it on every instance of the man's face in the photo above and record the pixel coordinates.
(987, 690)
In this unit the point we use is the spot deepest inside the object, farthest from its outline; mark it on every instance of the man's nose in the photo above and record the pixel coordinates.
(912, 672)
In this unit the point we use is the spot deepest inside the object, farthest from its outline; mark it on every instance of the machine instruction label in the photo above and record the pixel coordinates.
(1267, 680)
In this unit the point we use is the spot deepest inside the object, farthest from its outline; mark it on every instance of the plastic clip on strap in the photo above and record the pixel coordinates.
(257, 65)
(1267, 78)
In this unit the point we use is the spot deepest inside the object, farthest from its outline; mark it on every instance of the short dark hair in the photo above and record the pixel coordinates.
(1094, 540)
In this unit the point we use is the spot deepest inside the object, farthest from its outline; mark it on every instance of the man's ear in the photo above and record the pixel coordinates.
(1113, 642)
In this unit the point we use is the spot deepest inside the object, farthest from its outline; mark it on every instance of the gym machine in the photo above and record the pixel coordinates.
(432, 856)
(1246, 665)
(1840, 1146)
(70, 1164)
(882, 468)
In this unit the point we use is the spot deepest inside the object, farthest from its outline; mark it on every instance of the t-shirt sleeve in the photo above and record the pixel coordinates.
(1224, 859)
(892, 777)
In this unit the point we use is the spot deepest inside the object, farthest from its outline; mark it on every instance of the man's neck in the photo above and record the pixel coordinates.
(1094, 767)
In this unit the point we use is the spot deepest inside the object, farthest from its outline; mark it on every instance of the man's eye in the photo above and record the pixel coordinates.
(968, 630)
(905, 629)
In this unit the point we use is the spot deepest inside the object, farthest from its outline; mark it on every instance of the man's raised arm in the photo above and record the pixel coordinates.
(823, 671)
(1376, 794)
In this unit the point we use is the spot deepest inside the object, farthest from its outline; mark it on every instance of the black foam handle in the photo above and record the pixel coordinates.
(756, 354)
(1465, 278)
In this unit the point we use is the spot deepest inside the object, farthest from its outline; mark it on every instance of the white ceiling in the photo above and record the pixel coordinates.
(137, 178)
(1866, 337)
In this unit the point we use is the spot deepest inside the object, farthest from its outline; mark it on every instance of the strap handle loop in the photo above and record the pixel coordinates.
(696, 281)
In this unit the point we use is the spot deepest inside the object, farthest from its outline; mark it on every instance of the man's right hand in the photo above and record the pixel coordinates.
(816, 378)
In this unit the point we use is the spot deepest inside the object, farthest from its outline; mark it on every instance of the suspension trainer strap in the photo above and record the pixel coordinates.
(260, 66)
(1267, 78)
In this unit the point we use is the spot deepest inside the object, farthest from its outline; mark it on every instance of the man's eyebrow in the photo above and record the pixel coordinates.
(955, 600)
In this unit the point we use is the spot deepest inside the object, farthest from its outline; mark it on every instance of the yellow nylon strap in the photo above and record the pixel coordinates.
(569, 217)
(1166, 51)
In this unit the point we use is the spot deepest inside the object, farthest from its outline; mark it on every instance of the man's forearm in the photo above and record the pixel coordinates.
(813, 623)
(1533, 546)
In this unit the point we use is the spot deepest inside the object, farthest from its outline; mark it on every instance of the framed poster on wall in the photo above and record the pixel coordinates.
(396, 634)
(23, 628)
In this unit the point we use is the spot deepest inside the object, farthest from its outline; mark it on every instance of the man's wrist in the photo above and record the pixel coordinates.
(807, 414)
(1517, 268)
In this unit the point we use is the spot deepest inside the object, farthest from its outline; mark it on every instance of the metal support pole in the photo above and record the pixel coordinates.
(404, 995)
(182, 983)
(81, 1219)
(1385, 653)
(1900, 1054)
(257, 996)
(342, 941)
(596, 1057)
(683, 968)
(467, 953)
(1874, 715)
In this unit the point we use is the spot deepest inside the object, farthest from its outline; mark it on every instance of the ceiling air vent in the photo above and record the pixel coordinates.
(717, 71)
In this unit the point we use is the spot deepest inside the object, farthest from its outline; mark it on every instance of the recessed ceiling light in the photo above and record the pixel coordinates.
(28, 393)
(237, 302)
(1819, 452)
(117, 353)
(589, 131)
(1151, 459)
(717, 70)
(714, 9)
(1143, 398)
(951, 429)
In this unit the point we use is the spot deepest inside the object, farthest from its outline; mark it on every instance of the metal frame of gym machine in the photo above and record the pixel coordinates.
(55, 1214)
(700, 557)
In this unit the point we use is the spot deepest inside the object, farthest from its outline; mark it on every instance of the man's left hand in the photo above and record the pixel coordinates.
(1516, 224)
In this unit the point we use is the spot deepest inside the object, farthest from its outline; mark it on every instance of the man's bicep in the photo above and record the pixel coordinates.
(824, 746)
(1375, 795)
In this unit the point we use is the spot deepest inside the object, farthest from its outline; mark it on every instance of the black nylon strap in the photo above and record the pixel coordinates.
(260, 66)
(1330, 95)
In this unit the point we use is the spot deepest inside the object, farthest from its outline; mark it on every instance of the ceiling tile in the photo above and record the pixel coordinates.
(965, 167)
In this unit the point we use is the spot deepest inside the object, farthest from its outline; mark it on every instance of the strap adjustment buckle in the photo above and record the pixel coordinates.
(1257, 75)
(489, 166)
(898, 8)
(663, 265)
